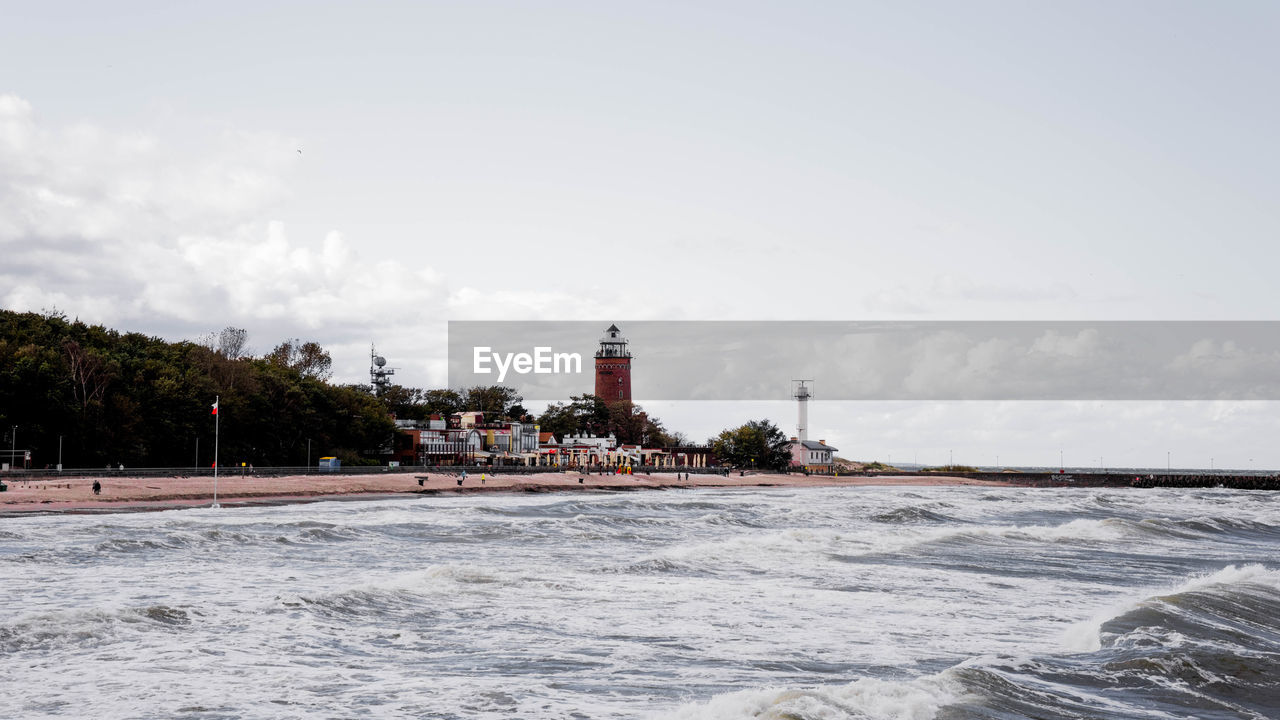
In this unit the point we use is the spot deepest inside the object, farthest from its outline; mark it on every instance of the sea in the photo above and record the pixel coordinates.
(779, 603)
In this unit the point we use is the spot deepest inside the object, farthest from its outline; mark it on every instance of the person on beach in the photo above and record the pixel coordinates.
(481, 478)
(97, 487)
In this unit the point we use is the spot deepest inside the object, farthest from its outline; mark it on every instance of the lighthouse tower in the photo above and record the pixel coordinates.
(800, 391)
(613, 367)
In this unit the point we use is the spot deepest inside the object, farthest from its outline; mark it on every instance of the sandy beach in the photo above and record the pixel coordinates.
(151, 493)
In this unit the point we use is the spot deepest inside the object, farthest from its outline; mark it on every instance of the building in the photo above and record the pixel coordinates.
(432, 445)
(548, 449)
(811, 454)
(698, 456)
(586, 450)
(510, 443)
(613, 367)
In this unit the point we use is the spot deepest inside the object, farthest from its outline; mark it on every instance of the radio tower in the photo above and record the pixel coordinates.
(801, 393)
(379, 373)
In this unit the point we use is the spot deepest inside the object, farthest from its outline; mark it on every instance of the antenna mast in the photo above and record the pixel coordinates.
(379, 373)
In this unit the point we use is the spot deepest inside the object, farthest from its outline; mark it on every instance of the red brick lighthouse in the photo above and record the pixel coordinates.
(613, 367)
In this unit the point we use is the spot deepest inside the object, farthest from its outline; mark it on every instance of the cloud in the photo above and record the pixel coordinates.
(939, 295)
(119, 228)
(1229, 368)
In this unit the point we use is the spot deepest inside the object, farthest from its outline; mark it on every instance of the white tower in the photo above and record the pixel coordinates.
(800, 391)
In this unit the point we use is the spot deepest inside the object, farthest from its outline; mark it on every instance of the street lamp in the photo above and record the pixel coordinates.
(13, 447)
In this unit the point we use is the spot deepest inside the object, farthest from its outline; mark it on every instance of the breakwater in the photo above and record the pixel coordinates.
(1109, 479)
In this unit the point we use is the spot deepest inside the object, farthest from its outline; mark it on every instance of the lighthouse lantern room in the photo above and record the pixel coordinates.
(613, 367)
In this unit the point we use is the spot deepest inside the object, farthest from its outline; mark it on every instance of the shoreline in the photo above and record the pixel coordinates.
(143, 494)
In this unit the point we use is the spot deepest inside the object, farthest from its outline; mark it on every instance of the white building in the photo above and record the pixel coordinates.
(808, 453)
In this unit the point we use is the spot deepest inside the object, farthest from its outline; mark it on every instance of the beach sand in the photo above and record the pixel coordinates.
(133, 493)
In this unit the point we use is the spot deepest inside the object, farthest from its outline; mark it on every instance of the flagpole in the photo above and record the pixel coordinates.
(216, 420)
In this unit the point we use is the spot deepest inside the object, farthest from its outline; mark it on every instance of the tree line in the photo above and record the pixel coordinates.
(100, 396)
(108, 397)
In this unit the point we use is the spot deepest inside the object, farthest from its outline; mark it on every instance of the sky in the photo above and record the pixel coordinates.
(363, 173)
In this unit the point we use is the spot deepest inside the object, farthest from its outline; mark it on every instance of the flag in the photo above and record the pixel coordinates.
(215, 407)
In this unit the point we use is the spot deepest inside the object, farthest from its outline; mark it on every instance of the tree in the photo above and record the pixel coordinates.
(405, 403)
(633, 426)
(89, 374)
(232, 343)
(758, 443)
(591, 415)
(493, 400)
(308, 358)
(144, 401)
(558, 419)
(442, 402)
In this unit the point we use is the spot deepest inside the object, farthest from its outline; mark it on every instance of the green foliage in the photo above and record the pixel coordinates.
(142, 401)
(308, 358)
(758, 443)
(590, 415)
(496, 401)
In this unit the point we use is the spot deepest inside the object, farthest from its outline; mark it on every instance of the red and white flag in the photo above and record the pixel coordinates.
(215, 407)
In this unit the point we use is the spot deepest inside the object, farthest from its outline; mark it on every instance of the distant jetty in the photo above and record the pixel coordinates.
(1106, 479)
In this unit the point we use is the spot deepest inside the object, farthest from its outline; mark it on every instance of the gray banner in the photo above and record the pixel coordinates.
(711, 360)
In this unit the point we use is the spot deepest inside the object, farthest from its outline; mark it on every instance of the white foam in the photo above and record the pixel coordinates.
(918, 699)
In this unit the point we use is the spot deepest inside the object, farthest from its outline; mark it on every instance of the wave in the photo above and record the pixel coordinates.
(857, 544)
(356, 603)
(80, 629)
(1083, 531)
(753, 547)
(407, 590)
(910, 514)
(1227, 587)
(1208, 647)
(652, 566)
(1227, 525)
(1080, 531)
(1212, 642)
(132, 545)
(318, 535)
(863, 699)
(191, 536)
(727, 518)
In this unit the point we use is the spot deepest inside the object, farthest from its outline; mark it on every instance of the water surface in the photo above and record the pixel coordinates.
(776, 603)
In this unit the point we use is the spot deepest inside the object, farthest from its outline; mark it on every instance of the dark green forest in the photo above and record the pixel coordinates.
(142, 401)
(127, 398)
